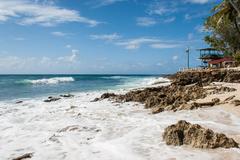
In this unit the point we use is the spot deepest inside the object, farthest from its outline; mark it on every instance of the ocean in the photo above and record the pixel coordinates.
(78, 128)
(33, 86)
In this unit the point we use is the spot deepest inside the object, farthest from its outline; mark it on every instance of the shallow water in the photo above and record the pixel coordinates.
(103, 130)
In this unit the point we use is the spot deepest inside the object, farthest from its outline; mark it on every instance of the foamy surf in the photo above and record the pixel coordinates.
(103, 131)
(54, 80)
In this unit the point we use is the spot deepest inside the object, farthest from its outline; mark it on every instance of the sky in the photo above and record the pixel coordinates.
(101, 36)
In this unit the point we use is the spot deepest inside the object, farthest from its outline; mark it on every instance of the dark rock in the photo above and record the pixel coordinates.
(67, 95)
(184, 133)
(236, 102)
(25, 156)
(229, 98)
(96, 99)
(18, 102)
(108, 95)
(52, 99)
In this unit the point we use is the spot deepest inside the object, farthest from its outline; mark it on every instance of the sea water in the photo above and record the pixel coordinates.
(29, 86)
(79, 129)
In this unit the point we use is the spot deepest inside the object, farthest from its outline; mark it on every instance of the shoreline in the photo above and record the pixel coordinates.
(77, 127)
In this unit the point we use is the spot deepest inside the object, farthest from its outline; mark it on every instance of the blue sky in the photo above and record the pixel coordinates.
(100, 36)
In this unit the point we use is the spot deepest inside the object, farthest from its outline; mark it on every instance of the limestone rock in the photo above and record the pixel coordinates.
(184, 133)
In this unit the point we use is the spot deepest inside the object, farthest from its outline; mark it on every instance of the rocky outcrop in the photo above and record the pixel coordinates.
(184, 133)
(185, 88)
(205, 77)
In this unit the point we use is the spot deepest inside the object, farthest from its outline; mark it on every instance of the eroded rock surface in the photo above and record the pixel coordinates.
(185, 133)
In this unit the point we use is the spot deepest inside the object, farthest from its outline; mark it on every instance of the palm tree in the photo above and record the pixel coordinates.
(228, 9)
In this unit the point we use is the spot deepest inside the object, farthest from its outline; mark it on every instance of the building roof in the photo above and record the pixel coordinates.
(207, 49)
(220, 60)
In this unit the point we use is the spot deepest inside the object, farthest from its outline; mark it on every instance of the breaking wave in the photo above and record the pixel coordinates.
(54, 80)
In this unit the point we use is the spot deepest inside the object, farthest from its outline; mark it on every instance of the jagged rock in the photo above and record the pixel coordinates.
(52, 99)
(185, 133)
(67, 95)
(107, 95)
(236, 102)
(25, 156)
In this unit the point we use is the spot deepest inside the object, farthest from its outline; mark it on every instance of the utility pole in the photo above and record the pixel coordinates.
(188, 52)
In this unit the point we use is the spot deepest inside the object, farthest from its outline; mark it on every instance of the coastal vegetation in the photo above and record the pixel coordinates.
(223, 27)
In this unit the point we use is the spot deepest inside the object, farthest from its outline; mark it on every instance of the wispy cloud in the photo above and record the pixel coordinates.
(105, 37)
(146, 21)
(162, 8)
(136, 43)
(101, 3)
(169, 20)
(155, 43)
(198, 1)
(17, 64)
(164, 45)
(59, 34)
(27, 12)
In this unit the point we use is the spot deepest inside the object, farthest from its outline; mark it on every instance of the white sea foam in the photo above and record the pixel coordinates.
(103, 130)
(54, 80)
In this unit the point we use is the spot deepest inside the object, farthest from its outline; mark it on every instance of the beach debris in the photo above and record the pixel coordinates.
(185, 133)
(52, 99)
(66, 95)
(236, 102)
(25, 156)
(229, 98)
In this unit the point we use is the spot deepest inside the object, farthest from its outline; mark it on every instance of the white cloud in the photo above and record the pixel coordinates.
(59, 34)
(27, 12)
(145, 21)
(198, 1)
(162, 8)
(71, 58)
(169, 20)
(106, 37)
(16, 64)
(164, 45)
(100, 3)
(136, 43)
(175, 58)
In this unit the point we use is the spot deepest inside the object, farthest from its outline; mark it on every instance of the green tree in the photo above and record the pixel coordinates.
(223, 26)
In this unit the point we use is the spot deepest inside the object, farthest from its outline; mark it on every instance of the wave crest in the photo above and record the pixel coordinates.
(54, 80)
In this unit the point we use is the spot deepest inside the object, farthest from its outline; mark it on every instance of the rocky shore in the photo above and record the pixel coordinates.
(183, 93)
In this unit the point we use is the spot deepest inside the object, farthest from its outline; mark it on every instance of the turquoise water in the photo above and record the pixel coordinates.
(28, 86)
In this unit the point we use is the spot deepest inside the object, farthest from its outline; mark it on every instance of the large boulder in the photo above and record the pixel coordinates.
(185, 133)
